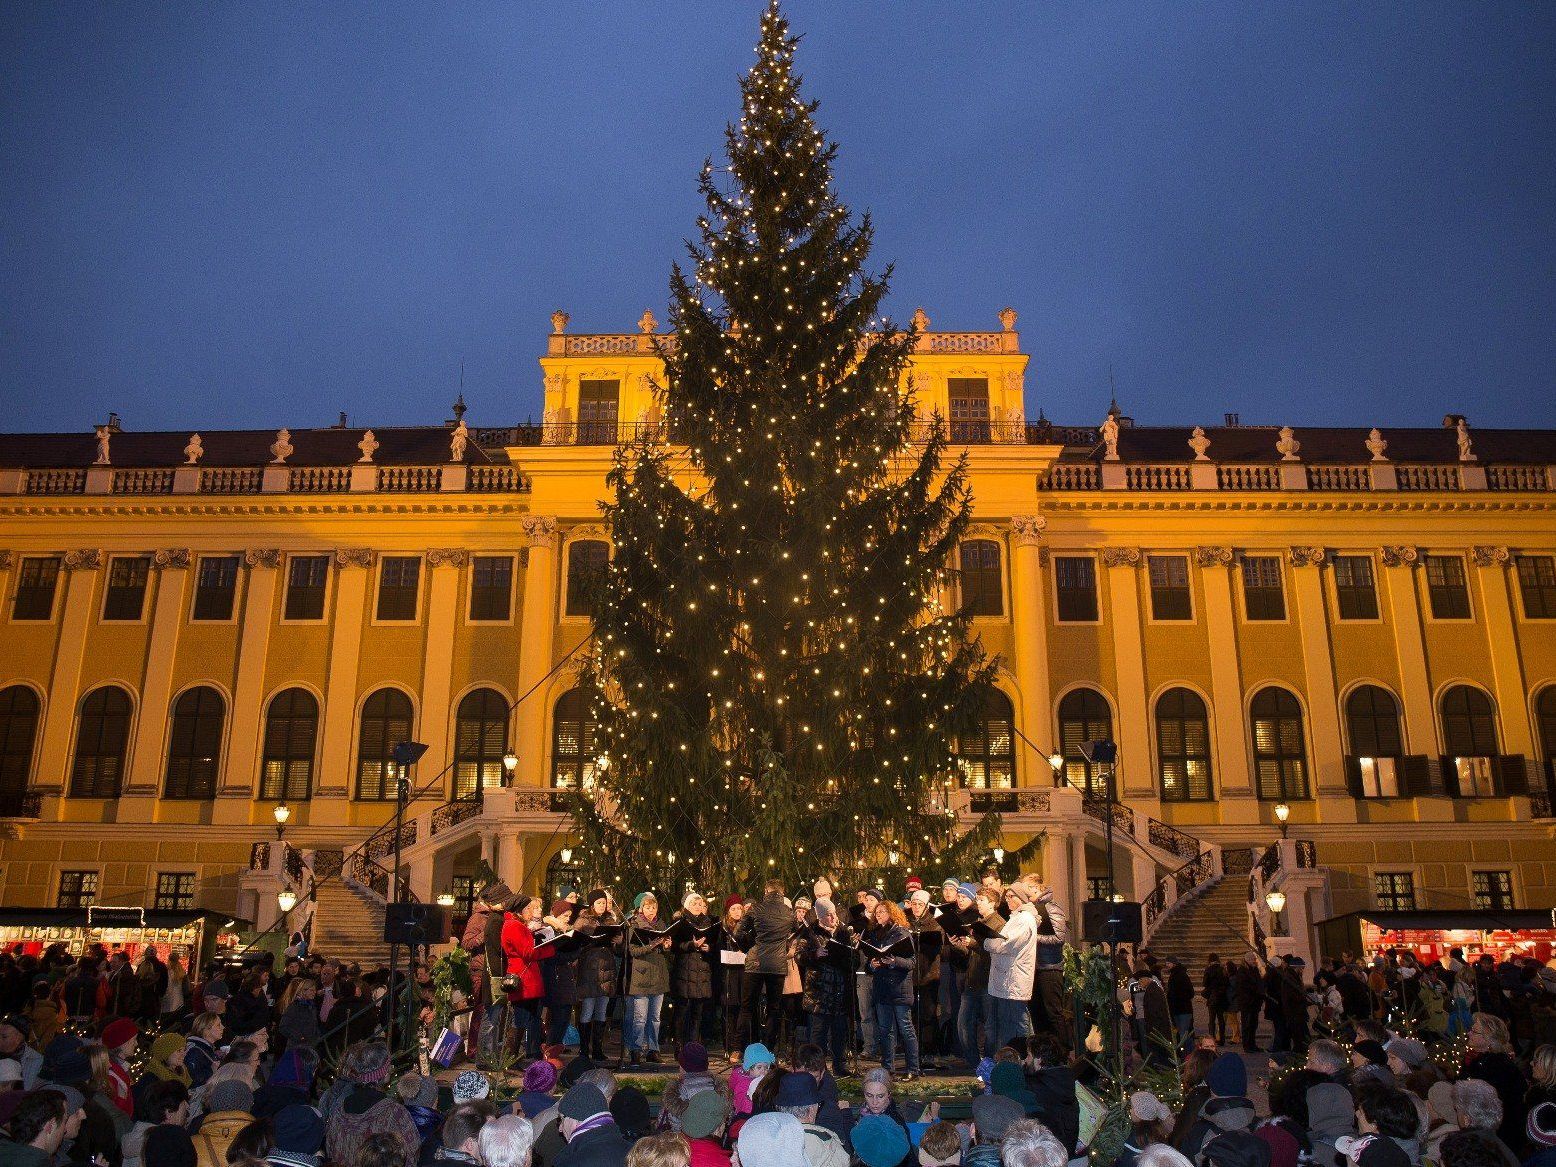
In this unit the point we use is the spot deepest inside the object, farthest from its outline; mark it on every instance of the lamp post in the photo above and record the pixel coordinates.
(445, 899)
(405, 756)
(1276, 902)
(282, 813)
(1282, 813)
(286, 900)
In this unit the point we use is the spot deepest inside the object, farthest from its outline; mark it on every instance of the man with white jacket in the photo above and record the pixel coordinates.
(1012, 968)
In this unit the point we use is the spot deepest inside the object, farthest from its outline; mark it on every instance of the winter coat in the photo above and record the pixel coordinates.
(1054, 1104)
(648, 972)
(300, 1024)
(561, 975)
(930, 939)
(246, 1014)
(604, 1146)
(473, 939)
(1502, 1071)
(892, 983)
(365, 1112)
(693, 974)
(215, 1134)
(829, 974)
(596, 962)
(765, 933)
(496, 959)
(1247, 989)
(46, 1019)
(518, 947)
(1331, 1115)
(1180, 991)
(1013, 957)
(1224, 1136)
(1218, 987)
(199, 1061)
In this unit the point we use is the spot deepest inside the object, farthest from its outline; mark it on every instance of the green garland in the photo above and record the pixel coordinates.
(449, 972)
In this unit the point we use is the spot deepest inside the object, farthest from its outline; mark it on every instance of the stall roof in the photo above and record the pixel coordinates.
(110, 916)
(1475, 918)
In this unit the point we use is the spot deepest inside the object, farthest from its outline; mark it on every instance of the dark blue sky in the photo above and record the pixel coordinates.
(263, 213)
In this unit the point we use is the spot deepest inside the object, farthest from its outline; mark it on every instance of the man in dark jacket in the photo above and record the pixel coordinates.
(766, 932)
(1248, 998)
(593, 1139)
(1216, 986)
(493, 905)
(1052, 1084)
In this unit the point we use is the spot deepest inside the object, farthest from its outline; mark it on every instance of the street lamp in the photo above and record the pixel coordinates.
(286, 899)
(510, 763)
(1056, 760)
(282, 813)
(567, 855)
(1282, 813)
(445, 899)
(999, 854)
(1275, 901)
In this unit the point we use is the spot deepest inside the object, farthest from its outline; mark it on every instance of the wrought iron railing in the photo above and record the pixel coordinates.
(27, 804)
(451, 814)
(1123, 817)
(1170, 838)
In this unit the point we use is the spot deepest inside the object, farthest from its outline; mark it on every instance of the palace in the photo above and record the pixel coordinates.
(1327, 656)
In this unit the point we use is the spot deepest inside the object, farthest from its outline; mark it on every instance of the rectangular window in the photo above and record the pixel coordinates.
(306, 577)
(597, 412)
(1355, 590)
(175, 891)
(1263, 595)
(1494, 891)
(491, 587)
(1537, 582)
(77, 889)
(1170, 598)
(1075, 583)
(398, 579)
(1476, 777)
(126, 598)
(1379, 777)
(982, 592)
(1446, 589)
(1097, 887)
(35, 586)
(1395, 891)
(969, 409)
(217, 587)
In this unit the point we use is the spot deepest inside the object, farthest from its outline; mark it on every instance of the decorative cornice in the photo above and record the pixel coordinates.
(1027, 530)
(1121, 557)
(262, 557)
(1307, 556)
(87, 559)
(587, 531)
(448, 557)
(540, 530)
(1485, 556)
(354, 557)
(1401, 556)
(1213, 556)
(170, 557)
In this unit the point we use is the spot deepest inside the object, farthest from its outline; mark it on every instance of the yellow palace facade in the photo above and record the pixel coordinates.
(1355, 625)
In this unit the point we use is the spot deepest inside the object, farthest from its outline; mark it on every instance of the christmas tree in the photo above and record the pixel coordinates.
(776, 684)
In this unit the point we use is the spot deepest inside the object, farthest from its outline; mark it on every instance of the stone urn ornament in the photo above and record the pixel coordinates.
(1376, 444)
(1199, 443)
(281, 449)
(194, 451)
(368, 445)
(1288, 444)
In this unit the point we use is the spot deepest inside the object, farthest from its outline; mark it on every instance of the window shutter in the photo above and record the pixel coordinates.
(1450, 774)
(1353, 778)
(1415, 776)
(1512, 775)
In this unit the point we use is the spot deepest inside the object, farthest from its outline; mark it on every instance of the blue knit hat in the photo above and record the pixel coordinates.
(756, 1055)
(1228, 1076)
(879, 1141)
(968, 890)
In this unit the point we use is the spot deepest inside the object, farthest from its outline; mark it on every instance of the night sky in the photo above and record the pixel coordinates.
(259, 214)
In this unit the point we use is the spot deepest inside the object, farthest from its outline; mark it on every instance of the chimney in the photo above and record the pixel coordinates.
(1232, 420)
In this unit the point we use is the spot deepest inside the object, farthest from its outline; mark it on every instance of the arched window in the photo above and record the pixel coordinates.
(572, 741)
(1279, 745)
(983, 593)
(586, 561)
(1470, 741)
(480, 741)
(1545, 727)
(18, 730)
(1183, 746)
(986, 753)
(1084, 716)
(386, 722)
(1372, 721)
(194, 750)
(102, 737)
(291, 737)
(561, 873)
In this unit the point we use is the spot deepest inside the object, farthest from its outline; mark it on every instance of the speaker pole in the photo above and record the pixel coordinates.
(394, 902)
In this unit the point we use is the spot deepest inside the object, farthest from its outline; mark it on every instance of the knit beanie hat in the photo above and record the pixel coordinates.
(170, 1146)
(693, 1058)
(642, 897)
(629, 1107)
(166, 1046)
(756, 1055)
(992, 1114)
(1146, 1107)
(778, 1140)
(576, 1069)
(582, 1103)
(1373, 1051)
(968, 890)
(1020, 891)
(65, 1062)
(373, 1064)
(596, 896)
(471, 1086)
(119, 1031)
(299, 1130)
(230, 1095)
(798, 1088)
(1228, 1076)
(1408, 1050)
(540, 1077)
(705, 1113)
(1541, 1127)
(878, 1141)
(414, 1090)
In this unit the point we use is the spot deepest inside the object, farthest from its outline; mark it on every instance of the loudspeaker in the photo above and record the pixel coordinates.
(414, 924)
(1106, 922)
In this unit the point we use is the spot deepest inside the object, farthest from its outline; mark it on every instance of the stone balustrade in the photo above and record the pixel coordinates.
(361, 478)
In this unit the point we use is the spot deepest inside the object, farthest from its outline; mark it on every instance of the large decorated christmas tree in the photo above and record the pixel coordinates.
(776, 680)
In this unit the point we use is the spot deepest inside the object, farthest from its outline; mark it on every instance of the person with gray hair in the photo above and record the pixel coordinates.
(601, 1079)
(1327, 1058)
(1028, 1143)
(507, 1142)
(1162, 1155)
(1479, 1111)
(828, 989)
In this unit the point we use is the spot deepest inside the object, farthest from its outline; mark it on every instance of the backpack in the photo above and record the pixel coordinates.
(1234, 1149)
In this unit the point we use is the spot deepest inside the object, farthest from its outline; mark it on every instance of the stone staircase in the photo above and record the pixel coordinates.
(1215, 920)
(349, 926)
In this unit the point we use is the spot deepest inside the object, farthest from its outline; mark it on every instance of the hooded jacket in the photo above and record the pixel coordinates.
(1331, 1113)
(1013, 957)
(1222, 1116)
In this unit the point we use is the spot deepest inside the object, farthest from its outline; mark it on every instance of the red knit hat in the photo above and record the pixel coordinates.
(731, 900)
(119, 1031)
(914, 883)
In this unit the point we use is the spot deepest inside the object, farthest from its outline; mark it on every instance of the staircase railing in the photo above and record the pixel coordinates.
(1177, 888)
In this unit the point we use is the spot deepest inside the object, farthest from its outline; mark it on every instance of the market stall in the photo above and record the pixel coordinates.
(197, 936)
(1431, 934)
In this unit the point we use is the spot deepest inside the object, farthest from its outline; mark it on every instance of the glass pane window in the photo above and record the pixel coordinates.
(1279, 746)
(1537, 583)
(1372, 718)
(1469, 723)
(36, 582)
(1170, 599)
(399, 577)
(986, 753)
(480, 741)
(969, 409)
(573, 757)
(306, 577)
(175, 891)
(1379, 777)
(1075, 583)
(126, 595)
(1476, 778)
(1494, 891)
(217, 587)
(1395, 891)
(982, 591)
(195, 743)
(77, 889)
(491, 587)
(1356, 592)
(598, 405)
(291, 736)
(1263, 595)
(102, 736)
(1084, 716)
(586, 563)
(386, 722)
(1446, 588)
(1183, 746)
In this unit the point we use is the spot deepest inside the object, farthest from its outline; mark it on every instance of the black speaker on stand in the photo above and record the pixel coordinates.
(1109, 922)
(414, 924)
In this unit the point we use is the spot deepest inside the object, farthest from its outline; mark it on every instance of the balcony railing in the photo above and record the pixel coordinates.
(479, 477)
(26, 804)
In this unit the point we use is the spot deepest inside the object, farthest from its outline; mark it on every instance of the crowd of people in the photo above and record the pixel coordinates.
(120, 1063)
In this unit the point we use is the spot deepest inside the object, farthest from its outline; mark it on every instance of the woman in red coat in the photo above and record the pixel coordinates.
(518, 945)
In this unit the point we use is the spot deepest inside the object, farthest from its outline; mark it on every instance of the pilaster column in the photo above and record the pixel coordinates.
(1404, 611)
(1030, 632)
(238, 788)
(437, 668)
(334, 788)
(1057, 871)
(536, 636)
(1507, 666)
(1234, 778)
(1323, 705)
(170, 569)
(1134, 742)
(81, 568)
